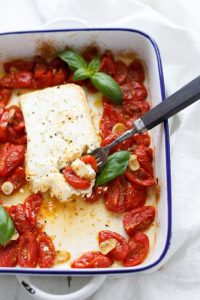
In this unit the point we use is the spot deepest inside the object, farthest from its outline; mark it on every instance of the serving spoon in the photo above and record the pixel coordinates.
(184, 97)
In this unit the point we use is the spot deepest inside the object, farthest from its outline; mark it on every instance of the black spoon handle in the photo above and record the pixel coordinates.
(171, 105)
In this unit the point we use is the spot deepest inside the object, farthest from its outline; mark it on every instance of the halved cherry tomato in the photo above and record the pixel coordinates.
(40, 66)
(5, 95)
(19, 65)
(121, 250)
(28, 250)
(133, 91)
(138, 219)
(16, 126)
(89, 159)
(16, 80)
(136, 108)
(144, 157)
(11, 156)
(74, 180)
(136, 71)
(107, 64)
(140, 177)
(8, 255)
(47, 252)
(4, 118)
(142, 139)
(59, 76)
(92, 259)
(115, 195)
(135, 196)
(121, 72)
(18, 179)
(25, 215)
(138, 249)
(96, 194)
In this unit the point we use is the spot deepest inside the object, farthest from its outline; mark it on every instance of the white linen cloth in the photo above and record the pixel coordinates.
(174, 24)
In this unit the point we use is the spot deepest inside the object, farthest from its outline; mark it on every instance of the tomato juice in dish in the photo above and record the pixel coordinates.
(114, 226)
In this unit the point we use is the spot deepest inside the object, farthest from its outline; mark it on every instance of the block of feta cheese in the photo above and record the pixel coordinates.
(59, 131)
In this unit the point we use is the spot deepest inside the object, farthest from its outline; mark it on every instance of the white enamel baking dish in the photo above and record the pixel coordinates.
(24, 44)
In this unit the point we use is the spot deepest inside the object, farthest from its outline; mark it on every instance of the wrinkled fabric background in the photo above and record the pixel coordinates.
(175, 25)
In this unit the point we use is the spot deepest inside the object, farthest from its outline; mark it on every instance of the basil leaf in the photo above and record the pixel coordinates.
(116, 166)
(7, 228)
(93, 66)
(107, 86)
(73, 59)
(81, 74)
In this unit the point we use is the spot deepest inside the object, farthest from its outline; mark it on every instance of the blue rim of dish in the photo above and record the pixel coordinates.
(168, 168)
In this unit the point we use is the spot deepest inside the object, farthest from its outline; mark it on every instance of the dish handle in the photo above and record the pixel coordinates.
(86, 291)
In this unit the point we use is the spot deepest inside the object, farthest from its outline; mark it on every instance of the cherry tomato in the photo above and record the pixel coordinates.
(97, 193)
(138, 249)
(92, 260)
(138, 219)
(33, 203)
(74, 180)
(135, 108)
(121, 250)
(16, 80)
(44, 80)
(135, 196)
(5, 95)
(144, 157)
(40, 66)
(89, 159)
(59, 76)
(142, 139)
(140, 177)
(121, 146)
(28, 250)
(136, 71)
(47, 253)
(11, 156)
(89, 53)
(121, 72)
(19, 65)
(133, 91)
(8, 255)
(107, 64)
(115, 195)
(4, 118)
(17, 178)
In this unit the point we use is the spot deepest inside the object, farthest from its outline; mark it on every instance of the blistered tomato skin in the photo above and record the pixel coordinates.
(140, 177)
(135, 196)
(138, 249)
(8, 255)
(136, 71)
(28, 250)
(121, 250)
(138, 219)
(92, 259)
(115, 195)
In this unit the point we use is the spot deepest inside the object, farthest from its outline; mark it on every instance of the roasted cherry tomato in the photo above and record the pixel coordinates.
(89, 53)
(133, 91)
(115, 195)
(136, 71)
(138, 249)
(16, 126)
(89, 159)
(140, 177)
(97, 193)
(17, 80)
(138, 219)
(5, 95)
(135, 109)
(47, 253)
(25, 215)
(28, 250)
(11, 156)
(142, 139)
(74, 180)
(121, 146)
(8, 255)
(135, 196)
(121, 249)
(40, 66)
(4, 119)
(18, 179)
(59, 76)
(107, 64)
(18, 65)
(92, 260)
(144, 157)
(121, 72)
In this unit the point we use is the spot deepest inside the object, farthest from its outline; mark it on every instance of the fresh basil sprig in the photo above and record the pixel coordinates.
(7, 228)
(116, 166)
(103, 82)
